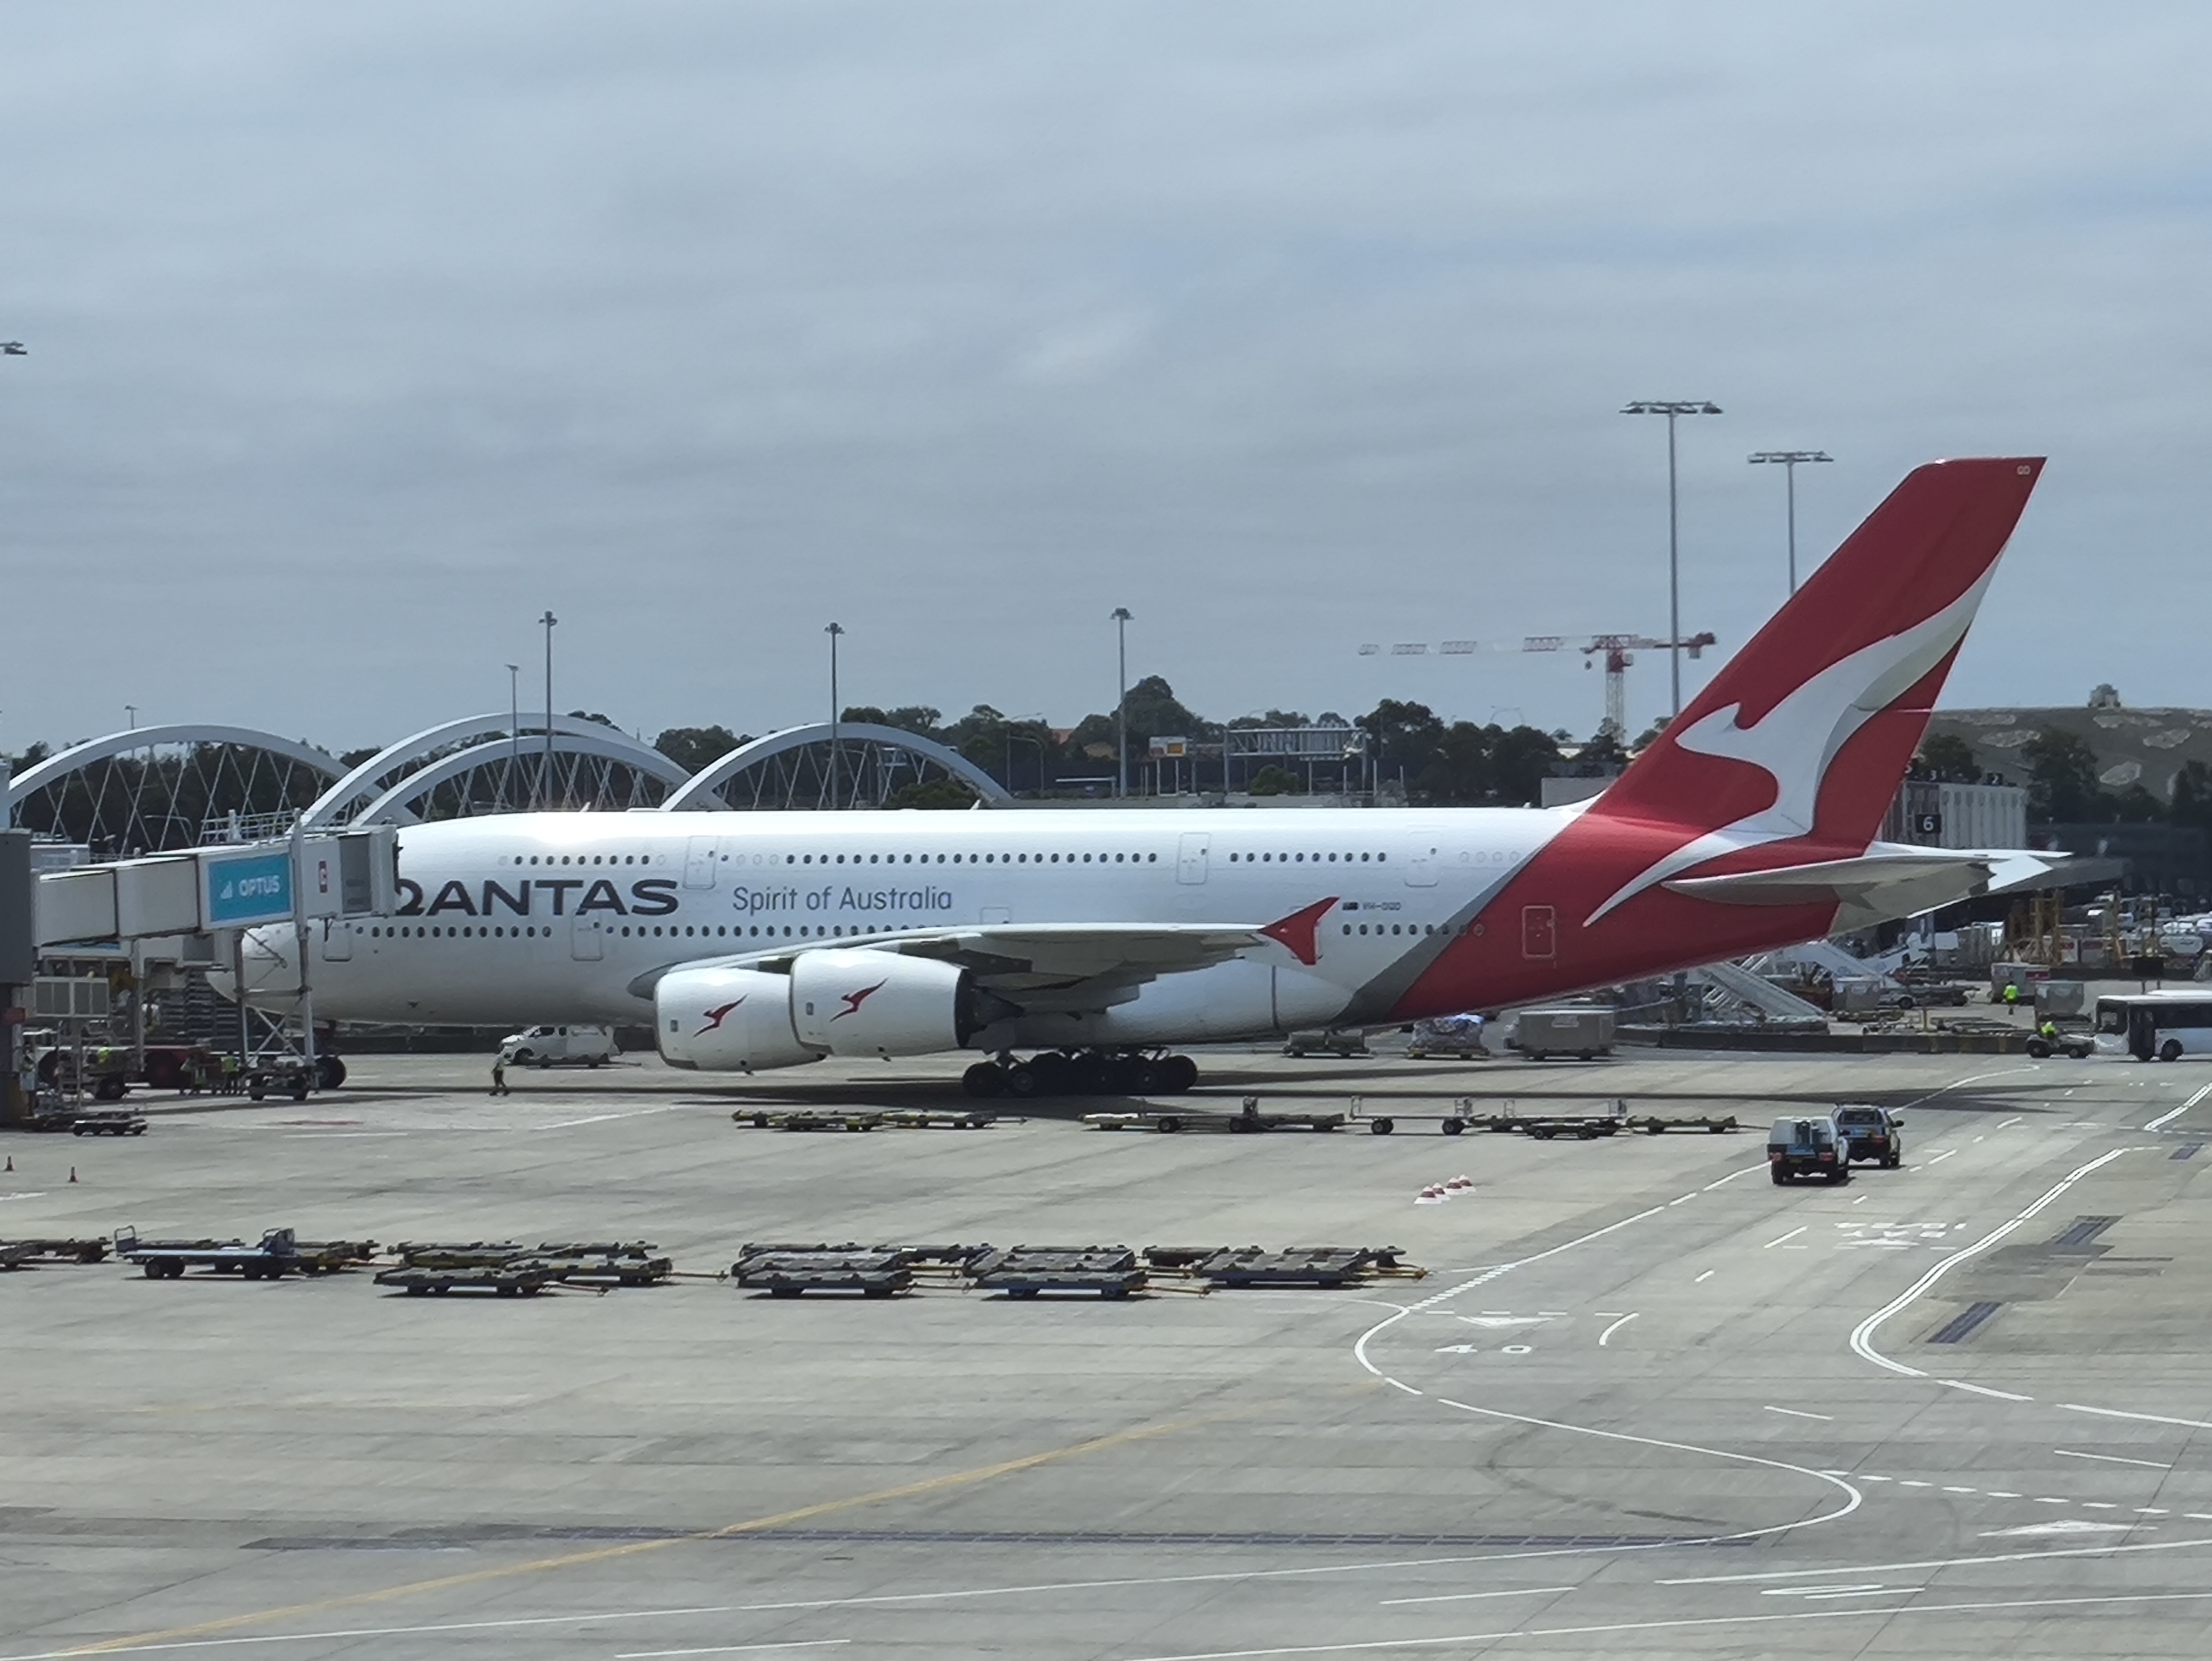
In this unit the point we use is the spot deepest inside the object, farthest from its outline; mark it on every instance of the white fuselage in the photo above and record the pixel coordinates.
(572, 916)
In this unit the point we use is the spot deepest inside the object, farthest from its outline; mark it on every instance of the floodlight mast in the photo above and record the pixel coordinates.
(1671, 408)
(1788, 460)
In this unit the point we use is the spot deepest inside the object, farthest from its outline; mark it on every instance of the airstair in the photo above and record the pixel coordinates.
(1735, 996)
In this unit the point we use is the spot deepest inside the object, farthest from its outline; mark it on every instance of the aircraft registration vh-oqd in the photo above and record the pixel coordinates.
(1095, 944)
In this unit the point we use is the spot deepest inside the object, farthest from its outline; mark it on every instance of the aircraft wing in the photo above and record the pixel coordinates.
(1889, 880)
(1041, 966)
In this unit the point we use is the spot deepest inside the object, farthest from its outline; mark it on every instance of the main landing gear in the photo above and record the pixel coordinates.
(1081, 1072)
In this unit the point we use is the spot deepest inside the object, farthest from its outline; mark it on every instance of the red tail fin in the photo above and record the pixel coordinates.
(1807, 730)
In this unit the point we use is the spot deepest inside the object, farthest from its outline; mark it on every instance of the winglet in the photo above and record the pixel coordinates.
(1300, 931)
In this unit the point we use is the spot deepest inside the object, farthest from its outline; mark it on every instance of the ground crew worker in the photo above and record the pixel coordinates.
(2012, 994)
(499, 1076)
(2048, 1030)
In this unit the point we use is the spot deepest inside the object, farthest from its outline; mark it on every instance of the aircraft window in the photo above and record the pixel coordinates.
(1332, 859)
(656, 931)
(989, 858)
(1380, 858)
(1362, 928)
(1118, 858)
(1153, 858)
(1362, 856)
(1347, 928)
(625, 931)
(533, 859)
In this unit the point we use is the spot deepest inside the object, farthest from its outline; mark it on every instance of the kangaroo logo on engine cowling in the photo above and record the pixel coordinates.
(855, 1000)
(715, 1018)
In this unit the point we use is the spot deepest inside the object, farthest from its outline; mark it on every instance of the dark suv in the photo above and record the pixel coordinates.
(1872, 1133)
(1810, 1146)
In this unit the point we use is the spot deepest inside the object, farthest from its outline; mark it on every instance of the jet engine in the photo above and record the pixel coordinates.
(864, 1002)
(725, 1021)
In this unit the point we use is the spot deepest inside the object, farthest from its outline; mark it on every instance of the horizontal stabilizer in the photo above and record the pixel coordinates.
(1887, 882)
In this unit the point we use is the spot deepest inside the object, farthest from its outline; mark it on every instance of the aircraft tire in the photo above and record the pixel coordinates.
(1023, 1083)
(1178, 1074)
(985, 1079)
(330, 1072)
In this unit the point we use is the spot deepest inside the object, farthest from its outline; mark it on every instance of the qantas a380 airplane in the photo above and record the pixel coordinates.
(1097, 942)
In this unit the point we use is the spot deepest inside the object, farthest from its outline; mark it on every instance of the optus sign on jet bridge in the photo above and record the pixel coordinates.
(244, 889)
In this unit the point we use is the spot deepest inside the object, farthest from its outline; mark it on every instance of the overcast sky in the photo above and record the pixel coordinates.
(361, 335)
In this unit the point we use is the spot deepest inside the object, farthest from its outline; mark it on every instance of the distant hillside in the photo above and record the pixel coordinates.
(2133, 746)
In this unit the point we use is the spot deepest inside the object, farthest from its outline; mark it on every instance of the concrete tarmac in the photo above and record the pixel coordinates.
(1645, 1404)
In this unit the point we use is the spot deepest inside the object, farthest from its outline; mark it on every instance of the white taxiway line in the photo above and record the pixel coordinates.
(1825, 1417)
(1779, 1239)
(1731, 1176)
(2169, 1117)
(1616, 1327)
(1863, 1334)
(1706, 1276)
(1975, 1562)
(1881, 1614)
(1468, 1596)
(1944, 1155)
(732, 1649)
(2112, 1459)
(1983, 1390)
(2147, 1418)
(2008, 1123)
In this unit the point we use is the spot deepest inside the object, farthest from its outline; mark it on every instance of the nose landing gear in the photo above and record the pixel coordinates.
(1081, 1072)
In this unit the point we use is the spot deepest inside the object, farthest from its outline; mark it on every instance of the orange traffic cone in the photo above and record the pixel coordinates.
(72, 1173)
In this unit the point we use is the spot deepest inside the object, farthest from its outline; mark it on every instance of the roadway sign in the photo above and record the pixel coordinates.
(242, 890)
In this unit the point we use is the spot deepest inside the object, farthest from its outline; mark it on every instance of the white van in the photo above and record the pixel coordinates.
(541, 1046)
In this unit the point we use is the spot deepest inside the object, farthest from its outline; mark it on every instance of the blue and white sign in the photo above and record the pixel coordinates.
(244, 889)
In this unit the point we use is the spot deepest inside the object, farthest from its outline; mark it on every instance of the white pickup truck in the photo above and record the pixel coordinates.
(541, 1046)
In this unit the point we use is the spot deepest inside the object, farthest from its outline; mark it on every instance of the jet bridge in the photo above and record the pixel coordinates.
(206, 890)
(205, 898)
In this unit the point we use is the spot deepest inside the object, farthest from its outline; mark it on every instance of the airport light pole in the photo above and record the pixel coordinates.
(834, 631)
(1121, 706)
(131, 712)
(1013, 738)
(546, 784)
(514, 729)
(1673, 408)
(1790, 458)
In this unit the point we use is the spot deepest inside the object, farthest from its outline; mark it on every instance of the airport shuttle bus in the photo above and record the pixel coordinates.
(1099, 941)
(2163, 1025)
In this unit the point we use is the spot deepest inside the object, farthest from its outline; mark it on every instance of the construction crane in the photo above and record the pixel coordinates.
(1616, 648)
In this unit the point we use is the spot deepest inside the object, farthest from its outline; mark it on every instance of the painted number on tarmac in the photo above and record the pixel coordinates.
(1894, 1237)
